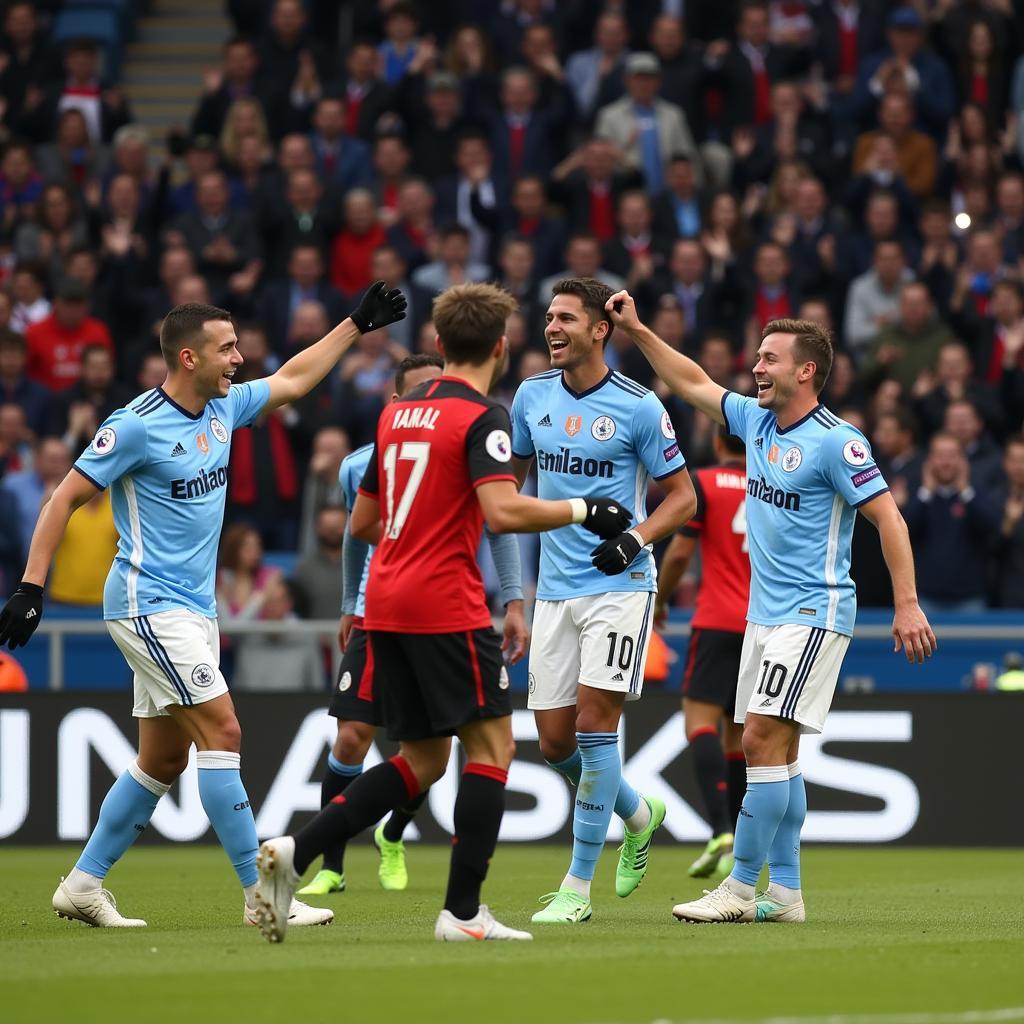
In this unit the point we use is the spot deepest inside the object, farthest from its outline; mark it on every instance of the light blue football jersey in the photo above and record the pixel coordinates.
(353, 466)
(804, 485)
(167, 470)
(609, 441)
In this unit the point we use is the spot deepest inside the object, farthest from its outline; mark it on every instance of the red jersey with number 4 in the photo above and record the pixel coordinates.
(721, 524)
(434, 447)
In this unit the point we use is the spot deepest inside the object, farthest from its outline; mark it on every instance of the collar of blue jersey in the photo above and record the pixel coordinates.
(803, 419)
(184, 412)
(583, 394)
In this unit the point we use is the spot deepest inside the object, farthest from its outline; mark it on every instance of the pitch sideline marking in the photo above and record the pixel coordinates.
(1010, 1013)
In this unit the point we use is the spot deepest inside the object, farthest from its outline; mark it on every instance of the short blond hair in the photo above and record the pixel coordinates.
(812, 343)
(469, 320)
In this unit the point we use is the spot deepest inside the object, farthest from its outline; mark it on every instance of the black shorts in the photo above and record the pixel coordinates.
(354, 699)
(713, 667)
(432, 684)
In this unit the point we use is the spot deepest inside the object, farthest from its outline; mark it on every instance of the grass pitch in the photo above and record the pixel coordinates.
(936, 933)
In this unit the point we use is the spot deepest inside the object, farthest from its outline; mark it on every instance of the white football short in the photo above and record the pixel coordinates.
(600, 640)
(789, 672)
(175, 656)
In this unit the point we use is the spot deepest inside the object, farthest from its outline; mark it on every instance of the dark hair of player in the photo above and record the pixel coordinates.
(183, 328)
(731, 443)
(416, 361)
(593, 294)
(469, 320)
(812, 343)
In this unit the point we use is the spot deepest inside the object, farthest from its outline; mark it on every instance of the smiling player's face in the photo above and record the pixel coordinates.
(572, 338)
(776, 372)
(217, 359)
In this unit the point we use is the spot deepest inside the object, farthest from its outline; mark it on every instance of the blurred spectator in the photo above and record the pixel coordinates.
(516, 276)
(318, 575)
(582, 259)
(130, 152)
(951, 525)
(453, 264)
(76, 414)
(678, 209)
(57, 228)
(245, 119)
(387, 265)
(982, 75)
(952, 381)
(529, 219)
(645, 128)
(73, 158)
(896, 454)
(471, 197)
(366, 97)
(909, 346)
(905, 65)
(301, 217)
(84, 555)
(873, 300)
(1009, 218)
(55, 344)
(978, 275)
(412, 232)
(343, 162)
(279, 300)
(16, 386)
(399, 47)
(287, 662)
(234, 80)
(526, 138)
(201, 157)
(916, 156)
(939, 252)
(589, 183)
(595, 76)
(223, 241)
(321, 488)
(21, 185)
(28, 59)
(31, 486)
(366, 375)
(353, 247)
(391, 159)
(963, 421)
(242, 576)
(771, 296)
(636, 252)
(435, 123)
(264, 480)
(286, 45)
(16, 441)
(1009, 553)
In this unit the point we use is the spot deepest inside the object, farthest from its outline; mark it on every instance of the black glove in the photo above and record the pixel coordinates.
(606, 518)
(21, 615)
(378, 307)
(615, 555)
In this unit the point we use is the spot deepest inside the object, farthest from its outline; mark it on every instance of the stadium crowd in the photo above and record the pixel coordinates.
(856, 163)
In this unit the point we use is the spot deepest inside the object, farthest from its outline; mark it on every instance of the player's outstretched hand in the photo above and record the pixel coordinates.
(617, 554)
(605, 517)
(623, 311)
(21, 615)
(911, 631)
(379, 307)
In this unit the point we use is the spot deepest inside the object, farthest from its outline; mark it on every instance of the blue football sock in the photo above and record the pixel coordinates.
(627, 800)
(227, 806)
(764, 807)
(784, 854)
(595, 799)
(124, 815)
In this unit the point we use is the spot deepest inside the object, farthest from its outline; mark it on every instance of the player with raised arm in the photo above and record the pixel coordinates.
(441, 468)
(719, 527)
(583, 421)
(165, 458)
(353, 704)
(808, 474)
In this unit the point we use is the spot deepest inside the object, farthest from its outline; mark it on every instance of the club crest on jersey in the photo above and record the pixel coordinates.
(792, 459)
(573, 425)
(773, 453)
(104, 441)
(603, 428)
(204, 445)
(856, 453)
(218, 430)
(666, 426)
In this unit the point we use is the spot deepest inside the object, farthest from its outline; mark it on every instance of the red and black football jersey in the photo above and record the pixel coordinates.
(434, 447)
(721, 524)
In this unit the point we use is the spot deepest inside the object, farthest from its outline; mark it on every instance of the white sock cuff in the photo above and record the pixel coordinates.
(793, 769)
(772, 773)
(157, 788)
(218, 759)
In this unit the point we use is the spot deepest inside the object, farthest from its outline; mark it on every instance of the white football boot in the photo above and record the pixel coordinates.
(481, 927)
(717, 906)
(97, 908)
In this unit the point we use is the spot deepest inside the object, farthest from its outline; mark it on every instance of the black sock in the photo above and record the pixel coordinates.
(709, 763)
(333, 784)
(394, 827)
(479, 807)
(364, 801)
(736, 770)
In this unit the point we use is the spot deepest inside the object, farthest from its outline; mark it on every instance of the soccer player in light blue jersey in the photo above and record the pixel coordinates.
(355, 703)
(808, 474)
(165, 458)
(582, 421)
